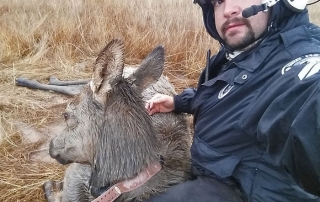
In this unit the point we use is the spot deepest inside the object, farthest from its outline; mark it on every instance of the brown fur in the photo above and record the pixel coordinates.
(109, 129)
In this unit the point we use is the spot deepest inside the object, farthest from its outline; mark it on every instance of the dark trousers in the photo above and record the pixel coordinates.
(202, 189)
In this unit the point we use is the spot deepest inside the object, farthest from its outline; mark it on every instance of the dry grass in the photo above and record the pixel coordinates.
(41, 38)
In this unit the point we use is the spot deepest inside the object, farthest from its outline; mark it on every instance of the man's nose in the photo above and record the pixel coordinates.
(231, 8)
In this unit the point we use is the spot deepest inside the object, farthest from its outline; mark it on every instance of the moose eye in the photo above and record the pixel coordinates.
(70, 120)
(66, 116)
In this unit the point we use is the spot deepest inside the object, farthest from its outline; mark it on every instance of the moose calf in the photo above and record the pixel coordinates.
(112, 142)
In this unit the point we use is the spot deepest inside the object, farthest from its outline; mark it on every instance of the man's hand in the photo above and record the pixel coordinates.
(160, 103)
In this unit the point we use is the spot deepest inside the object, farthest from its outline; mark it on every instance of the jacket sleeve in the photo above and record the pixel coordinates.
(291, 130)
(183, 101)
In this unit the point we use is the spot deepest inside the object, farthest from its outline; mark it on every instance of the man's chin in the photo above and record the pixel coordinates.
(236, 45)
(239, 42)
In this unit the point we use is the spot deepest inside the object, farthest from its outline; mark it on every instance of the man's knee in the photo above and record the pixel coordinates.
(202, 189)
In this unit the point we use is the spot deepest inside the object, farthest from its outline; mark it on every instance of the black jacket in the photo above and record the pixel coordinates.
(257, 118)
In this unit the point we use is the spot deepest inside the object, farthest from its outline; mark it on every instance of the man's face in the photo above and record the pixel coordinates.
(238, 32)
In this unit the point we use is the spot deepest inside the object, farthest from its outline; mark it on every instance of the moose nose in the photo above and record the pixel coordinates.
(54, 153)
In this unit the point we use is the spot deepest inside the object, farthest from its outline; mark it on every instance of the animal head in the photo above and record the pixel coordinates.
(107, 123)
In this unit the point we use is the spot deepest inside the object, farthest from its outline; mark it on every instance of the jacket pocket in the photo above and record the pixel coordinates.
(220, 164)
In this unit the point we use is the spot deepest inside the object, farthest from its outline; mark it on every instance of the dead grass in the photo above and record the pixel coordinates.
(41, 38)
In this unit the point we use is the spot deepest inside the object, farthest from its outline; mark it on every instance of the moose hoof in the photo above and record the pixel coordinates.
(53, 80)
(52, 190)
(26, 82)
(48, 190)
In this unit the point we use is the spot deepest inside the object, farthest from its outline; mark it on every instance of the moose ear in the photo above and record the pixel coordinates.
(107, 69)
(150, 69)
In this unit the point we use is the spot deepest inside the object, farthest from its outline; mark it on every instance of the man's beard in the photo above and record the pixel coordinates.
(248, 39)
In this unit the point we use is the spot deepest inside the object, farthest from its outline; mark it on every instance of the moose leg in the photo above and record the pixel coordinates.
(55, 81)
(76, 183)
(67, 90)
(53, 190)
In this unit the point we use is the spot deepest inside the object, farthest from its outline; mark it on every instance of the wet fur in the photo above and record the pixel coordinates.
(109, 129)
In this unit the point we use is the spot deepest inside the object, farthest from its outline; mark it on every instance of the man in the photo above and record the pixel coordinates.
(256, 109)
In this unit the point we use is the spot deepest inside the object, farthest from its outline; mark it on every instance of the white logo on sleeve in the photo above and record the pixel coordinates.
(311, 65)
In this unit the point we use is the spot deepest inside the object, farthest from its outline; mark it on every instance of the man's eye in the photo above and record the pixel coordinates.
(216, 2)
